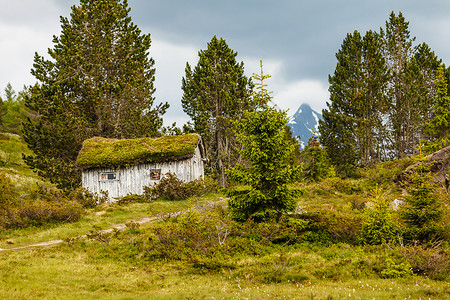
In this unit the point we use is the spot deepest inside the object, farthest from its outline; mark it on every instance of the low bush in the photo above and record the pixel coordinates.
(132, 198)
(379, 225)
(44, 212)
(171, 188)
(332, 226)
(345, 186)
(430, 262)
(40, 207)
(396, 268)
(86, 198)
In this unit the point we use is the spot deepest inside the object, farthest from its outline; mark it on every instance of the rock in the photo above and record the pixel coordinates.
(396, 204)
(299, 210)
(440, 167)
(368, 204)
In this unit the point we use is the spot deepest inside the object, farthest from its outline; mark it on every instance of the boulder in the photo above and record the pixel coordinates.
(439, 166)
(396, 204)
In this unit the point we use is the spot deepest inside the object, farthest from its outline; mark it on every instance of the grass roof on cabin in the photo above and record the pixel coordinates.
(103, 152)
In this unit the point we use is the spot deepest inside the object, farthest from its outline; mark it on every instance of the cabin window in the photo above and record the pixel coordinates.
(108, 176)
(155, 174)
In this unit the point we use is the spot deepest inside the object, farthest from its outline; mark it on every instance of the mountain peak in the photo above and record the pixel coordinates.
(304, 123)
(303, 109)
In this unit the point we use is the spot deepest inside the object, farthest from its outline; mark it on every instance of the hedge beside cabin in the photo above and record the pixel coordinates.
(123, 167)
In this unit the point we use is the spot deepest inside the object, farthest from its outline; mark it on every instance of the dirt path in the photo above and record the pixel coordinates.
(120, 226)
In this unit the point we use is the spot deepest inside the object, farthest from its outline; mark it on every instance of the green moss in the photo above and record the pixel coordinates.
(102, 152)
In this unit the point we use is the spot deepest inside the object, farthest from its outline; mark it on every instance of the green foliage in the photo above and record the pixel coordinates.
(423, 211)
(171, 188)
(412, 72)
(381, 96)
(261, 96)
(86, 198)
(438, 127)
(358, 99)
(379, 225)
(269, 173)
(216, 92)
(3, 111)
(383, 174)
(338, 142)
(102, 152)
(396, 269)
(42, 207)
(332, 226)
(201, 240)
(316, 163)
(7, 191)
(431, 262)
(132, 198)
(99, 82)
(15, 112)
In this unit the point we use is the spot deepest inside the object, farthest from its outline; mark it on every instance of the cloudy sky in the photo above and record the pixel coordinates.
(296, 39)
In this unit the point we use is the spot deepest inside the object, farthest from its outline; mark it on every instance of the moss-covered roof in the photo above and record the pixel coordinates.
(103, 152)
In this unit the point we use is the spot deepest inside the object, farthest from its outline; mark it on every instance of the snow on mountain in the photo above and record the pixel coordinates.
(304, 122)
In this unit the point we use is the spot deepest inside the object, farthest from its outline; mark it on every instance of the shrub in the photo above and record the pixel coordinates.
(132, 198)
(172, 188)
(378, 226)
(330, 226)
(200, 240)
(395, 269)
(430, 262)
(44, 205)
(43, 212)
(345, 186)
(316, 161)
(86, 198)
(7, 192)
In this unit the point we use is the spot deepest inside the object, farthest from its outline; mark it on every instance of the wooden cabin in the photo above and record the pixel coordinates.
(123, 167)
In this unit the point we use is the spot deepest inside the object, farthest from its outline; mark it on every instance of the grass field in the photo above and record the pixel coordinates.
(91, 269)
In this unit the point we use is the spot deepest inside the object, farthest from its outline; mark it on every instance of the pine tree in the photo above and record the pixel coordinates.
(216, 92)
(15, 112)
(316, 163)
(357, 95)
(438, 128)
(268, 172)
(99, 82)
(338, 141)
(261, 96)
(423, 210)
(412, 73)
(379, 225)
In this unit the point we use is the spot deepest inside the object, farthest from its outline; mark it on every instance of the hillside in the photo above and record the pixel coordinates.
(12, 165)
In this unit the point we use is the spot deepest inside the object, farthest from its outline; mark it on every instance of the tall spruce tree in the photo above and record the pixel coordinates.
(438, 127)
(99, 82)
(357, 95)
(412, 72)
(216, 92)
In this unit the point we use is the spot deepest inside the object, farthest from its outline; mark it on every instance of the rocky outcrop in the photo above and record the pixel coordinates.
(439, 166)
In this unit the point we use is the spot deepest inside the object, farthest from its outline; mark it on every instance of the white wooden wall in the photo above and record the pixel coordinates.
(131, 180)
